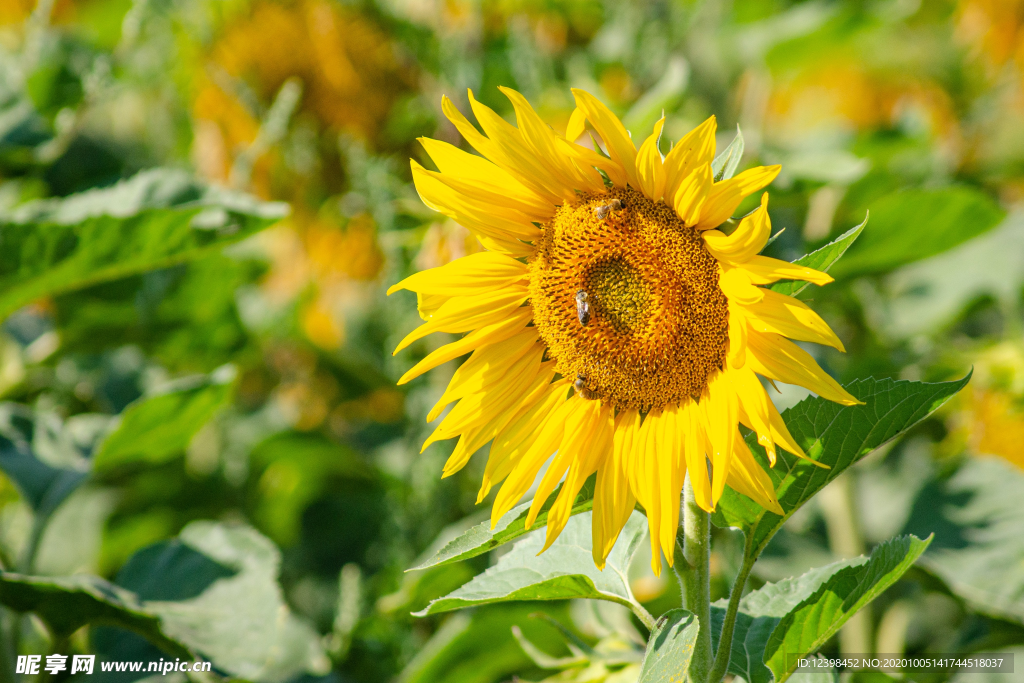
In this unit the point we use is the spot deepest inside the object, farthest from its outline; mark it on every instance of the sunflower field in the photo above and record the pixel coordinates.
(482, 341)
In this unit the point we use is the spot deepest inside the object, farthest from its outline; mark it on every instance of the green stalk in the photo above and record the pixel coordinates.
(695, 529)
(721, 664)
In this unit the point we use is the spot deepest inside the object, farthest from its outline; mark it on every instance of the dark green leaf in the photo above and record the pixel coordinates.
(818, 617)
(837, 436)
(910, 225)
(724, 165)
(155, 429)
(156, 219)
(481, 538)
(67, 603)
(821, 259)
(44, 487)
(565, 570)
(669, 648)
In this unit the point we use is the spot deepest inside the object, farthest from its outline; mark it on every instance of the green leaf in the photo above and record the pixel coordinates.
(481, 538)
(565, 570)
(781, 622)
(724, 165)
(910, 225)
(977, 517)
(156, 219)
(43, 486)
(240, 622)
(818, 617)
(67, 603)
(669, 648)
(156, 429)
(479, 646)
(835, 435)
(821, 259)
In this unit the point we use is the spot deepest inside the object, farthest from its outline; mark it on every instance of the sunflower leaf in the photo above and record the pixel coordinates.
(724, 165)
(834, 435)
(821, 259)
(910, 225)
(481, 538)
(782, 622)
(157, 218)
(669, 648)
(66, 603)
(565, 570)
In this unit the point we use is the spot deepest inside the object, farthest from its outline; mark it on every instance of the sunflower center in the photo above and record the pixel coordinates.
(626, 298)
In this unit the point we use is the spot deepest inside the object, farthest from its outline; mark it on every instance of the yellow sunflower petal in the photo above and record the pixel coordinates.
(521, 158)
(671, 470)
(490, 180)
(620, 147)
(725, 196)
(747, 477)
(647, 481)
(594, 451)
(577, 125)
(519, 480)
(736, 285)
(782, 437)
(580, 430)
(476, 339)
(474, 214)
(765, 270)
(737, 357)
(516, 438)
(754, 404)
(722, 420)
(781, 314)
(692, 194)
(695, 149)
(473, 274)
(777, 358)
(649, 171)
(695, 453)
(464, 313)
(495, 152)
(746, 241)
(613, 498)
(485, 366)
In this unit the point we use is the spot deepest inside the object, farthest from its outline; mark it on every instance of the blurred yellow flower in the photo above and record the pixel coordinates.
(348, 67)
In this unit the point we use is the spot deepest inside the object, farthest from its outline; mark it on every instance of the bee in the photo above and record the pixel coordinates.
(583, 307)
(602, 211)
(580, 385)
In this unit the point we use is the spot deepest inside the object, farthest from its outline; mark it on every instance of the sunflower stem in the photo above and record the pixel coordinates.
(721, 664)
(696, 536)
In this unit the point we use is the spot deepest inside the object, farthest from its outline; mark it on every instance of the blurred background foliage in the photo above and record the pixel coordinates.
(229, 413)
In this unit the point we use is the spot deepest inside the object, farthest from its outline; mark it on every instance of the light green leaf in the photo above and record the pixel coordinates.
(481, 538)
(817, 618)
(565, 570)
(158, 428)
(821, 259)
(910, 225)
(479, 646)
(977, 518)
(669, 648)
(241, 622)
(66, 603)
(724, 165)
(835, 435)
(156, 219)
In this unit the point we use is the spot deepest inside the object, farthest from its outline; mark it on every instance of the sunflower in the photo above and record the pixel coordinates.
(613, 322)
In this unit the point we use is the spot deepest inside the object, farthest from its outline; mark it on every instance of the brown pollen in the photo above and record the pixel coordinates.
(657, 323)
